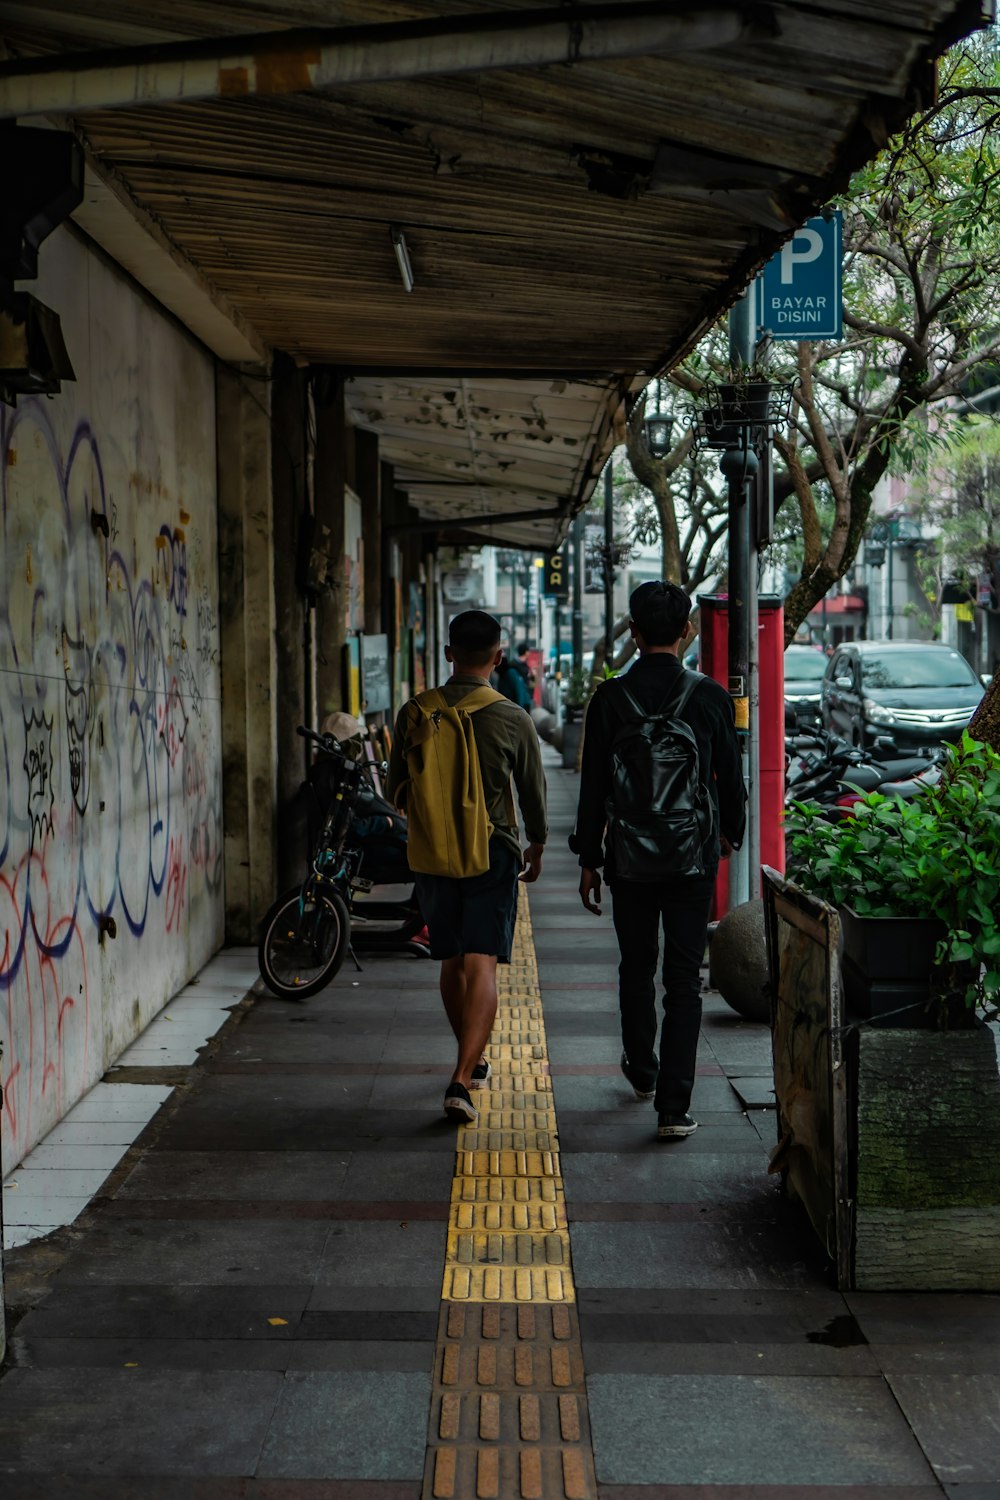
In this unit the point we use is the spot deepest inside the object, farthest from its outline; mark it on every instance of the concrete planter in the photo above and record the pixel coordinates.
(926, 1107)
(571, 734)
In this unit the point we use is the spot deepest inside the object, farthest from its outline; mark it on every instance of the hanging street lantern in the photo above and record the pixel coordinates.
(658, 430)
(658, 426)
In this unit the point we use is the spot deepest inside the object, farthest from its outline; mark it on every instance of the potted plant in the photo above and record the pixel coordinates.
(744, 394)
(740, 405)
(917, 887)
(889, 1104)
(578, 690)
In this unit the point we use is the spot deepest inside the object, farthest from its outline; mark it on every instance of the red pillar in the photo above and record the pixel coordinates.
(715, 663)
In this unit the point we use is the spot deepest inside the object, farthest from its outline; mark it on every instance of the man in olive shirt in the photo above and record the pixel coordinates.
(471, 921)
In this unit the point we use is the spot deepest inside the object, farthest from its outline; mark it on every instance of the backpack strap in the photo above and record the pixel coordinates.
(690, 682)
(472, 703)
(480, 697)
(675, 702)
(430, 701)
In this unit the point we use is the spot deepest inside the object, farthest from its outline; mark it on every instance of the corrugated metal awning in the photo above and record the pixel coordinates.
(583, 221)
(471, 450)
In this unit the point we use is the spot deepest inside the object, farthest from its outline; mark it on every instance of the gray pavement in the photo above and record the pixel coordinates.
(249, 1309)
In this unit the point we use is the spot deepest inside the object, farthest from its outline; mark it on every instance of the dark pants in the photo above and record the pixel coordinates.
(682, 906)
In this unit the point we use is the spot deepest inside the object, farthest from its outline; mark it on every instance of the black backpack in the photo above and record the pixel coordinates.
(660, 813)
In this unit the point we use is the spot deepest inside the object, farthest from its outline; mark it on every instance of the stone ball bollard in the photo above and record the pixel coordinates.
(737, 962)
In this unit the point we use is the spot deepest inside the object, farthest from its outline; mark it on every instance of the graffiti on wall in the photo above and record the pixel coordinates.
(110, 796)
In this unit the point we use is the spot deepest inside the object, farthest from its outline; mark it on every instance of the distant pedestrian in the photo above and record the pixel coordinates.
(454, 753)
(512, 681)
(661, 781)
(522, 664)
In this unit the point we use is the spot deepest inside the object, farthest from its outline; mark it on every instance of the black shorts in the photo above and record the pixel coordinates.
(475, 915)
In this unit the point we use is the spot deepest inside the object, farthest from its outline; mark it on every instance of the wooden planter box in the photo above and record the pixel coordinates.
(889, 1135)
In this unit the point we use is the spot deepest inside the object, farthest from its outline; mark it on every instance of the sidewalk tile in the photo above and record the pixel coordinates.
(173, 1422)
(193, 1253)
(224, 1175)
(260, 1354)
(183, 1313)
(911, 1317)
(723, 1429)
(689, 1255)
(686, 1357)
(21, 1211)
(42, 1183)
(655, 1172)
(383, 1254)
(365, 1425)
(956, 1418)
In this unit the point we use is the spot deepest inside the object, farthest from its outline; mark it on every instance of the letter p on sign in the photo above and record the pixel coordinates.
(805, 246)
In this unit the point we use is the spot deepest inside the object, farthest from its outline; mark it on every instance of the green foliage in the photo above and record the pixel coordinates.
(579, 686)
(936, 856)
(960, 505)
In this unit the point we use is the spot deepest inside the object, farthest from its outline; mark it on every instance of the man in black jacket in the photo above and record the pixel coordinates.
(661, 629)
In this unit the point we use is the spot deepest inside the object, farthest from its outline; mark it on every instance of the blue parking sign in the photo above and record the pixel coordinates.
(799, 291)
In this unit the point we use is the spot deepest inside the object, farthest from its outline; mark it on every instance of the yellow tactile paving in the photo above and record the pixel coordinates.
(509, 1420)
(520, 1249)
(507, 1284)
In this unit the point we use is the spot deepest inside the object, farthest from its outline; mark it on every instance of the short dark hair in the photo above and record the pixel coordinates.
(659, 612)
(474, 637)
(522, 648)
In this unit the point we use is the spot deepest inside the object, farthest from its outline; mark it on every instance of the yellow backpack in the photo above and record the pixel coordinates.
(448, 826)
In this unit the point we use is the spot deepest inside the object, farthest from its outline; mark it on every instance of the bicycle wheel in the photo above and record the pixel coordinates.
(303, 945)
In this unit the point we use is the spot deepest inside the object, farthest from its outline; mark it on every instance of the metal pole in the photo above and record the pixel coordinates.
(579, 525)
(512, 643)
(753, 767)
(609, 566)
(739, 466)
(529, 602)
(888, 610)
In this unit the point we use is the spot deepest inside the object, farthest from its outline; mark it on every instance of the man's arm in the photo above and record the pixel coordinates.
(397, 759)
(529, 778)
(595, 784)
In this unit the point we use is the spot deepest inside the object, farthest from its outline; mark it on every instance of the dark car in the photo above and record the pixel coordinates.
(804, 669)
(917, 692)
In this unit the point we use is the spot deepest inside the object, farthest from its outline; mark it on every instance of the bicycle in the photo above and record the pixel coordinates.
(306, 933)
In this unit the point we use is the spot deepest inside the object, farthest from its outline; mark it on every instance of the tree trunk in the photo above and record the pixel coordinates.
(853, 498)
(654, 475)
(985, 722)
(601, 652)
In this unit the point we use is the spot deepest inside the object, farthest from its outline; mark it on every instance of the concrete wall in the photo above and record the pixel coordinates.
(110, 762)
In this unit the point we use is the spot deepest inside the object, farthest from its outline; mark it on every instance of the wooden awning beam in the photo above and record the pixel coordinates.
(300, 61)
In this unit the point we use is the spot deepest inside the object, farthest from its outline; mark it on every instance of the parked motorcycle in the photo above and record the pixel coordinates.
(829, 770)
(309, 930)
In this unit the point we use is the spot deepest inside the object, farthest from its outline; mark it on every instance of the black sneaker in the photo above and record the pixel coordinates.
(481, 1075)
(669, 1127)
(639, 1093)
(458, 1104)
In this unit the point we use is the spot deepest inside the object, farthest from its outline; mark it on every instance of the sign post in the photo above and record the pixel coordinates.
(799, 291)
(556, 581)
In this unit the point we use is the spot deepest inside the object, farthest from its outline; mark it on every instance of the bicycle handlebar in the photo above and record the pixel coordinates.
(326, 742)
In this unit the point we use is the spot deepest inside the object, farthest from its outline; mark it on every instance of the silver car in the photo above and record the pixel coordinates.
(919, 692)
